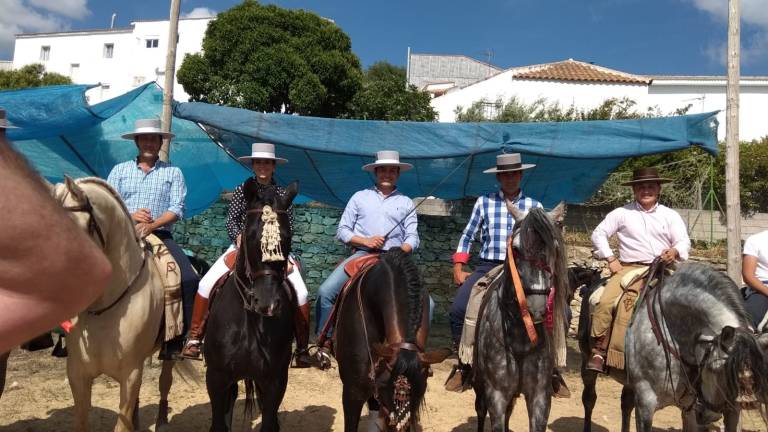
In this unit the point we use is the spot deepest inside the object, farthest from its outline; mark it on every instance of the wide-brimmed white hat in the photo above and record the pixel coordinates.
(387, 157)
(508, 162)
(263, 151)
(4, 123)
(148, 127)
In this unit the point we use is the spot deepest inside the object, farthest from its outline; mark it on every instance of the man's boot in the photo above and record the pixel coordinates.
(196, 329)
(460, 378)
(599, 351)
(301, 356)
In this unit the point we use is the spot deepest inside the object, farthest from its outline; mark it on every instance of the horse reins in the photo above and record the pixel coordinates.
(530, 328)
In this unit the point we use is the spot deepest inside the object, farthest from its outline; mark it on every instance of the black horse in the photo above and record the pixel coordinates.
(250, 328)
(381, 329)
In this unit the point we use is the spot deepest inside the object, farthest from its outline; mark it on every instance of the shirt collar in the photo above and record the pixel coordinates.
(517, 198)
(158, 164)
(378, 192)
(640, 208)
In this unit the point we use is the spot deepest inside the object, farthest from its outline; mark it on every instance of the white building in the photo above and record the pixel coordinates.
(119, 59)
(586, 86)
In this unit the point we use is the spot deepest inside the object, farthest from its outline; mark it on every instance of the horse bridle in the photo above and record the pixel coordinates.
(242, 288)
(542, 265)
(93, 225)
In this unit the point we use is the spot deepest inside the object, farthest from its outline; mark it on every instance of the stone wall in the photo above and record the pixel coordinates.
(314, 242)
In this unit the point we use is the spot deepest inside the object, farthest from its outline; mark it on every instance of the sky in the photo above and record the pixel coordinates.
(653, 37)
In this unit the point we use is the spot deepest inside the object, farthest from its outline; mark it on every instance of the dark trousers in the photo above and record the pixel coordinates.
(189, 278)
(459, 306)
(756, 304)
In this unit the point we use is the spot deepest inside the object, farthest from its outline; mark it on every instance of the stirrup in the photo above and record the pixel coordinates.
(322, 358)
(596, 363)
(192, 350)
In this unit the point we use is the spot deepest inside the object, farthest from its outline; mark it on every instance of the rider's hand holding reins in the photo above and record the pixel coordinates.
(669, 256)
(142, 215)
(459, 275)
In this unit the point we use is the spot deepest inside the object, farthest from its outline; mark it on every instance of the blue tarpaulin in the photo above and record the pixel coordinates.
(572, 158)
(61, 134)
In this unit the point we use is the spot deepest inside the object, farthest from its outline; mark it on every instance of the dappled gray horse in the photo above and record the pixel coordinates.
(695, 350)
(507, 362)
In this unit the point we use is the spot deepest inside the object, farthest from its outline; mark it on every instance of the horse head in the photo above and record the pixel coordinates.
(401, 381)
(734, 368)
(266, 243)
(538, 251)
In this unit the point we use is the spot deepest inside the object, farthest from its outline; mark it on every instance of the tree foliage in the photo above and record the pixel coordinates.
(266, 58)
(385, 95)
(33, 75)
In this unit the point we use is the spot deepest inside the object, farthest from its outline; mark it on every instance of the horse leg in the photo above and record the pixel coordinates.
(271, 394)
(482, 410)
(353, 405)
(731, 420)
(645, 407)
(164, 384)
(3, 369)
(539, 404)
(497, 408)
(691, 424)
(627, 405)
(219, 387)
(129, 395)
(80, 383)
(588, 395)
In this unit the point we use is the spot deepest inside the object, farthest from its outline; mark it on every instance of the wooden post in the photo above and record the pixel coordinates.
(732, 198)
(170, 76)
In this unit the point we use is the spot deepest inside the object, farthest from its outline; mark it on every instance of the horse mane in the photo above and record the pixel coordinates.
(717, 284)
(537, 223)
(397, 258)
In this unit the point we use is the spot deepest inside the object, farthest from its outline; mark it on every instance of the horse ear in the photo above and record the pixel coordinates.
(726, 337)
(250, 190)
(558, 213)
(384, 351)
(290, 193)
(517, 214)
(74, 189)
(433, 357)
(762, 342)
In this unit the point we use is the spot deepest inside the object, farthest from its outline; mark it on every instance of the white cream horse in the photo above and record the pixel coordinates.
(120, 330)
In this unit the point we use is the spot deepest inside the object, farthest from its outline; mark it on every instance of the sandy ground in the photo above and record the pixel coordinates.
(37, 398)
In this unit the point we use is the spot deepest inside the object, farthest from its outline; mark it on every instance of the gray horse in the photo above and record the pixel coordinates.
(706, 358)
(506, 363)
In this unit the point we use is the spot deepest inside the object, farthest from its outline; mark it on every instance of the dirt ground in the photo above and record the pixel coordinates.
(37, 398)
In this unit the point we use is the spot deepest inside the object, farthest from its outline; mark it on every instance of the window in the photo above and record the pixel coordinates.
(74, 69)
(491, 109)
(45, 53)
(152, 43)
(109, 50)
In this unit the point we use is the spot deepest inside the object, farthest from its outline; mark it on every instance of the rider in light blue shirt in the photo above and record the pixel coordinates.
(375, 219)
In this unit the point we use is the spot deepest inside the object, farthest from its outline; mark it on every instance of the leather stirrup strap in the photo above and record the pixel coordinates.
(521, 300)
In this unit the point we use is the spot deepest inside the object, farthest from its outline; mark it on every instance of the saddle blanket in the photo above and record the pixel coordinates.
(169, 272)
(467, 344)
(624, 309)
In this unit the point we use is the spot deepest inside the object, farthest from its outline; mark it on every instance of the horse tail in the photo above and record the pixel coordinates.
(745, 352)
(250, 396)
(408, 366)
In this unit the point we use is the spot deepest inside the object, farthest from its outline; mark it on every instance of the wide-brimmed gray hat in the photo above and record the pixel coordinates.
(508, 162)
(148, 127)
(645, 175)
(263, 151)
(4, 123)
(387, 157)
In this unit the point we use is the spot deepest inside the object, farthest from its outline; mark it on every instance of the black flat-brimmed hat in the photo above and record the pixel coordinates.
(508, 162)
(644, 175)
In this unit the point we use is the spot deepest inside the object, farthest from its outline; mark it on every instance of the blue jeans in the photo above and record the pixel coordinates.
(459, 306)
(330, 289)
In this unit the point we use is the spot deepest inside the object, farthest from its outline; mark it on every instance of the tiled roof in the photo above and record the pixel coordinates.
(572, 70)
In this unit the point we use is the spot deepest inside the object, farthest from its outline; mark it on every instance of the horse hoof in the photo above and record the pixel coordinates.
(162, 415)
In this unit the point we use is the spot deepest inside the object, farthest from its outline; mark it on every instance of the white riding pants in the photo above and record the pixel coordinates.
(219, 269)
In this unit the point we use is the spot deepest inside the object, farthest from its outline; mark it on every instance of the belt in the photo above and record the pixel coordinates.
(492, 261)
(636, 263)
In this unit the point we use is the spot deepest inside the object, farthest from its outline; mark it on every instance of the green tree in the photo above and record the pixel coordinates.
(33, 75)
(386, 96)
(267, 58)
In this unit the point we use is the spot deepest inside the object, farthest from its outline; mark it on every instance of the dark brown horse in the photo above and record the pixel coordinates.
(250, 328)
(380, 334)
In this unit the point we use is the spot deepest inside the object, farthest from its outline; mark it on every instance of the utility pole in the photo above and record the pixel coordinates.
(170, 76)
(732, 198)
